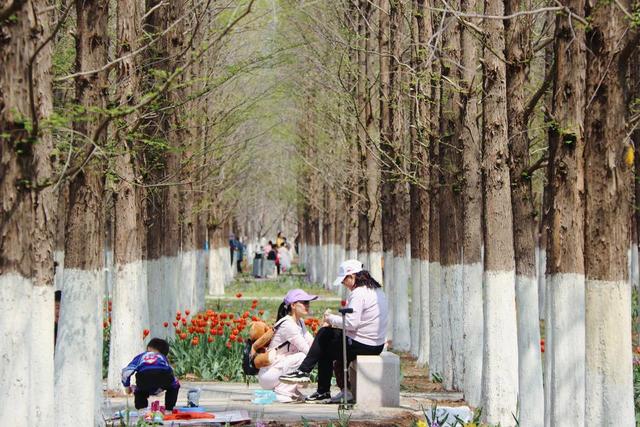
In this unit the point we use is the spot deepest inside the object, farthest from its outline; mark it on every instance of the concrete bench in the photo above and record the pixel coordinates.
(375, 380)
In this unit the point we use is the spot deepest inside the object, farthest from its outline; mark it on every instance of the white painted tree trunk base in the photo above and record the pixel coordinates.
(15, 328)
(129, 317)
(425, 334)
(375, 266)
(390, 290)
(500, 361)
(26, 334)
(349, 254)
(416, 289)
(402, 327)
(473, 332)
(363, 257)
(216, 274)
(78, 356)
(160, 297)
(435, 321)
(201, 281)
(58, 275)
(609, 360)
(186, 283)
(531, 394)
(41, 362)
(634, 272)
(542, 286)
(321, 264)
(567, 399)
(452, 305)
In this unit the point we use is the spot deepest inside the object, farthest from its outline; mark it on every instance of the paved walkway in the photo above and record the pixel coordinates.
(217, 396)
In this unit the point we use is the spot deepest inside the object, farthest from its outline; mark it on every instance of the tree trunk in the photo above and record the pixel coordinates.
(608, 375)
(79, 380)
(386, 150)
(451, 210)
(471, 83)
(130, 313)
(500, 362)
(419, 191)
(564, 354)
(400, 191)
(27, 221)
(518, 54)
(436, 362)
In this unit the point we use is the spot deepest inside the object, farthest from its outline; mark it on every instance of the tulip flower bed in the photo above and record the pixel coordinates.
(209, 345)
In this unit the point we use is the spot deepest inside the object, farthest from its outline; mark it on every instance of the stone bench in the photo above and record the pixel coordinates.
(375, 380)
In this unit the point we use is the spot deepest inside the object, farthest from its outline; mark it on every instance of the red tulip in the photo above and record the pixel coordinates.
(228, 344)
(145, 333)
(343, 303)
(183, 336)
(239, 295)
(175, 324)
(210, 339)
(187, 312)
(166, 324)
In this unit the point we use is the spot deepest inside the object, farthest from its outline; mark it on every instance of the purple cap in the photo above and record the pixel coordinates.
(295, 295)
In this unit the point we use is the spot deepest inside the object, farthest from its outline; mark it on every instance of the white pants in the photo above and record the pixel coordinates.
(269, 377)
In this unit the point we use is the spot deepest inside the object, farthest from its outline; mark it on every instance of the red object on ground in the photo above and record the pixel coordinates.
(188, 416)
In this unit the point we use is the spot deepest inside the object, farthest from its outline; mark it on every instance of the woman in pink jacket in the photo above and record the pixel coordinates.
(289, 346)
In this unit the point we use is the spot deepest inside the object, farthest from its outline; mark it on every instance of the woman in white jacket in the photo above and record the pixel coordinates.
(289, 346)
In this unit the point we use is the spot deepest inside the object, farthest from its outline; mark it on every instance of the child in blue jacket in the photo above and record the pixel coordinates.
(153, 374)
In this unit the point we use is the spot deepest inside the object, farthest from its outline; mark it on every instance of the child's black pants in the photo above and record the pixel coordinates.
(149, 382)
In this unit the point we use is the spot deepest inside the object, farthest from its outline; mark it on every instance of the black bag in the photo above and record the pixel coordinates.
(247, 361)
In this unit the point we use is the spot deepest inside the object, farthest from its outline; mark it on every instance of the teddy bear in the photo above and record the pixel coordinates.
(260, 334)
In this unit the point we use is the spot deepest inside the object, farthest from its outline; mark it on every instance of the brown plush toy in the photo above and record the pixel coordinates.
(261, 334)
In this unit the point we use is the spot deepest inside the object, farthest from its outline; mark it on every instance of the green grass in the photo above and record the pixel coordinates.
(246, 284)
(269, 294)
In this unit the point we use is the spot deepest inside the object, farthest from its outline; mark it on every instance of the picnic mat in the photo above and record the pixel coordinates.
(221, 418)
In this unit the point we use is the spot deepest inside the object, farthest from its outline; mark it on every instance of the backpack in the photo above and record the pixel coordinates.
(248, 368)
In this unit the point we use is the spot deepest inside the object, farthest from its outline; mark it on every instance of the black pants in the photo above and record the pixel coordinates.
(239, 266)
(149, 382)
(327, 348)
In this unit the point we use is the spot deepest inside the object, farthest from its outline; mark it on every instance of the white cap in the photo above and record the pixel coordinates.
(350, 266)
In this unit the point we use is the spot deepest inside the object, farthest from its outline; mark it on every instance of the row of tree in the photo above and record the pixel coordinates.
(125, 129)
(481, 153)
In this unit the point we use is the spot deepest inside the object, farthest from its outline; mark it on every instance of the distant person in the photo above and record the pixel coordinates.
(232, 247)
(153, 374)
(240, 249)
(272, 260)
(284, 257)
(280, 239)
(56, 315)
